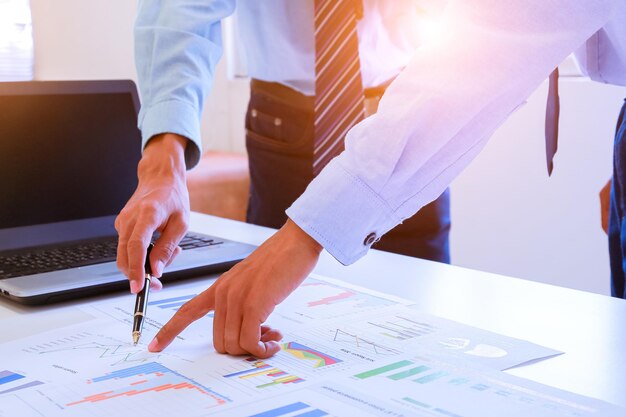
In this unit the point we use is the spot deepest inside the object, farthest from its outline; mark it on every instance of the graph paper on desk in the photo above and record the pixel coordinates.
(346, 351)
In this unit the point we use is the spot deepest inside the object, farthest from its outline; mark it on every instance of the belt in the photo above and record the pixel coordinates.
(296, 99)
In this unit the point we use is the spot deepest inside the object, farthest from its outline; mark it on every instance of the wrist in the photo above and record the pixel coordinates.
(164, 155)
(301, 238)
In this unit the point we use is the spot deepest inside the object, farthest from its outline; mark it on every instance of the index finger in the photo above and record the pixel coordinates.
(192, 310)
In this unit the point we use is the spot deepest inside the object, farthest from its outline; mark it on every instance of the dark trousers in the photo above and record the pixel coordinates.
(279, 140)
(617, 226)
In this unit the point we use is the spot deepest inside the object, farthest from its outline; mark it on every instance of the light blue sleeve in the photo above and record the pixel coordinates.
(177, 46)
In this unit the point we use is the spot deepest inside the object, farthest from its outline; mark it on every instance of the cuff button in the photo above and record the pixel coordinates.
(370, 239)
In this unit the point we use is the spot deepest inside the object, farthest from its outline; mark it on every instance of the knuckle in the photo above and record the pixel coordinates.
(185, 310)
(190, 311)
(135, 243)
(249, 309)
(165, 331)
(221, 292)
(148, 211)
(167, 248)
(184, 223)
(181, 220)
(120, 264)
(118, 222)
(231, 343)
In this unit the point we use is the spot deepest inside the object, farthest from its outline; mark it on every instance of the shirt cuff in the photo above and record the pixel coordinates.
(342, 213)
(173, 117)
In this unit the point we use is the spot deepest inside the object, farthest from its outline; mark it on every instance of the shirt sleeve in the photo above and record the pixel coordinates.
(438, 114)
(177, 45)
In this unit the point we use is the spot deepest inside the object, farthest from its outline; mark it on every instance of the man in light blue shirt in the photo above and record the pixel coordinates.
(434, 118)
(177, 47)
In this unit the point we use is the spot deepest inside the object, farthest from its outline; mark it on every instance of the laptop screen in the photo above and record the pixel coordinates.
(66, 155)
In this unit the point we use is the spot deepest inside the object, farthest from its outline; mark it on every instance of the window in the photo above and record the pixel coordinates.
(16, 41)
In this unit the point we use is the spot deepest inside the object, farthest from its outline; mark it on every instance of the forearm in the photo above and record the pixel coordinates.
(177, 45)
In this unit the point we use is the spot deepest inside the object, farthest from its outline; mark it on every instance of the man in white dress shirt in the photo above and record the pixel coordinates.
(435, 118)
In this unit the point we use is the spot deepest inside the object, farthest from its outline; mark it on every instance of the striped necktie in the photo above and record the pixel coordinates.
(339, 102)
(552, 119)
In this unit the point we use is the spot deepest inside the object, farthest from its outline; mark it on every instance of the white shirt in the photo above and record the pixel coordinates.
(278, 39)
(434, 118)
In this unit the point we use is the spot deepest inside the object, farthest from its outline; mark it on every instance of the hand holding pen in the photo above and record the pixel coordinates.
(141, 303)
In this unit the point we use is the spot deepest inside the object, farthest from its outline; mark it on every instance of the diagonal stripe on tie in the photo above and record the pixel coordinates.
(339, 102)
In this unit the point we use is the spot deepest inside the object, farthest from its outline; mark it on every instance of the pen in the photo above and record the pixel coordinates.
(141, 303)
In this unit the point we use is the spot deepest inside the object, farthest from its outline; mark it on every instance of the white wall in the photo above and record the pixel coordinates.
(78, 39)
(508, 217)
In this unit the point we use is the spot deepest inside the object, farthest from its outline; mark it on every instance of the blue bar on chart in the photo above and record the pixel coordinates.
(312, 413)
(154, 377)
(8, 376)
(446, 413)
(173, 303)
(21, 387)
(281, 411)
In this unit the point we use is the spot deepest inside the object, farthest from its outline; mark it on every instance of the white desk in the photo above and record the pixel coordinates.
(589, 328)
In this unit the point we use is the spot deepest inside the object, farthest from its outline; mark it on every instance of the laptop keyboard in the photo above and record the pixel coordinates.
(83, 254)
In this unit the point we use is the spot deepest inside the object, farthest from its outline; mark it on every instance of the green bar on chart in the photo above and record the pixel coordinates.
(409, 373)
(430, 378)
(382, 370)
(415, 402)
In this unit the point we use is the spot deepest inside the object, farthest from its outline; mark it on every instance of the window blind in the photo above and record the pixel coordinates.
(16, 41)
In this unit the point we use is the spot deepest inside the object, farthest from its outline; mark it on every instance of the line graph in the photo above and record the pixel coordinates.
(354, 340)
(87, 347)
(402, 328)
(115, 353)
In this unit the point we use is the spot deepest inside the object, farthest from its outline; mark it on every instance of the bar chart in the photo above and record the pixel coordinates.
(259, 374)
(173, 303)
(321, 300)
(143, 383)
(13, 382)
(300, 408)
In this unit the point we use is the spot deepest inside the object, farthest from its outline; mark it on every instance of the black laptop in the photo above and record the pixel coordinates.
(68, 161)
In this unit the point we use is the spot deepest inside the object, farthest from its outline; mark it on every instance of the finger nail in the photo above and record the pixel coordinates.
(156, 284)
(134, 287)
(152, 347)
(274, 344)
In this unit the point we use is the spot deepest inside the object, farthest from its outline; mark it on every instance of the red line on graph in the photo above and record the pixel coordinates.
(329, 300)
